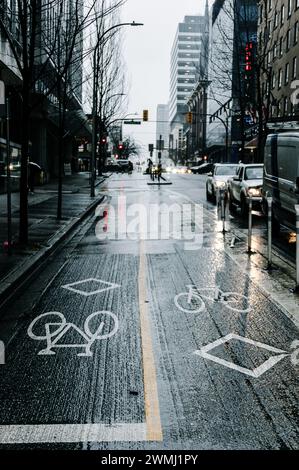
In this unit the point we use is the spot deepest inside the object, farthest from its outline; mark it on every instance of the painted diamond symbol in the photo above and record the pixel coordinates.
(96, 286)
(258, 371)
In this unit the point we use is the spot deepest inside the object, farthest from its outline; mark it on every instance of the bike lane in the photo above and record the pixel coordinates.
(228, 375)
(74, 370)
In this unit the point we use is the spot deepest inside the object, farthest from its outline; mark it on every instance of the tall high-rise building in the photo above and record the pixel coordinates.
(162, 128)
(185, 59)
(233, 29)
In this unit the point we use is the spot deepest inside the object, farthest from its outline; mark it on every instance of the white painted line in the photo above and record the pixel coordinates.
(109, 286)
(62, 433)
(258, 371)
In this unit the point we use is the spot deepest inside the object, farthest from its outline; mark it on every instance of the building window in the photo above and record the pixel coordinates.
(269, 57)
(282, 15)
(279, 78)
(273, 84)
(290, 4)
(296, 4)
(288, 40)
(296, 32)
(280, 46)
(275, 23)
(285, 105)
(262, 12)
(269, 27)
(275, 50)
(287, 74)
(294, 67)
(270, 5)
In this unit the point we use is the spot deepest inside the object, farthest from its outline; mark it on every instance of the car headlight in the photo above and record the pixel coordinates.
(220, 184)
(254, 192)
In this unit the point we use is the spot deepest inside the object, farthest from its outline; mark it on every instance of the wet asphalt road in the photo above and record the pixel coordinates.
(119, 363)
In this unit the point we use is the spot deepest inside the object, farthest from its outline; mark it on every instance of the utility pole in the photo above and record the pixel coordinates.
(9, 232)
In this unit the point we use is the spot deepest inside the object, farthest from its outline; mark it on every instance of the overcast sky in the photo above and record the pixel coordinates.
(147, 55)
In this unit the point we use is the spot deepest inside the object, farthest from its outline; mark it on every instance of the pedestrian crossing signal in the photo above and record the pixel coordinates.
(189, 118)
(145, 115)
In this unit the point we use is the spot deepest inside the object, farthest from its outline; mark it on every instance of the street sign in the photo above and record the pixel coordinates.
(132, 122)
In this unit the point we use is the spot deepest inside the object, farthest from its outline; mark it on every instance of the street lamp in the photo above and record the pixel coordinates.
(94, 103)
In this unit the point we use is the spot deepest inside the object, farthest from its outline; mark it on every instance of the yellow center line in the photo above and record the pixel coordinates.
(152, 410)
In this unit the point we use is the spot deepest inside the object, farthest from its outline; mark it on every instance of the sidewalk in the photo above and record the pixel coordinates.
(45, 231)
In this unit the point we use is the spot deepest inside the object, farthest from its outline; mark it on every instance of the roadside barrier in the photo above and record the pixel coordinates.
(249, 250)
(269, 248)
(221, 198)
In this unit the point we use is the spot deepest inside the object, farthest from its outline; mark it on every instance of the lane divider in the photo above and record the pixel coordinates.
(152, 409)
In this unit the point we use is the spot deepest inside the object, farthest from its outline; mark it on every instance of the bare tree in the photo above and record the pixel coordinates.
(107, 73)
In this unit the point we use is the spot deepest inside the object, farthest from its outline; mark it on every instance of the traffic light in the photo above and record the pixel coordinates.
(189, 118)
(103, 140)
(249, 70)
(120, 146)
(145, 115)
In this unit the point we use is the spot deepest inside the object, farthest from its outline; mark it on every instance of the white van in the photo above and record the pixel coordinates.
(281, 176)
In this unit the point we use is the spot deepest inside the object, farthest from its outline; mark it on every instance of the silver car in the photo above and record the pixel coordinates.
(218, 178)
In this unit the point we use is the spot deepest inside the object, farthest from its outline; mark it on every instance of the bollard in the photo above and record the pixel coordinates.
(297, 247)
(222, 206)
(269, 204)
(218, 203)
(250, 226)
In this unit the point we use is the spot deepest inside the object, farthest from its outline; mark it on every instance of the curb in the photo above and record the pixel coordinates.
(20, 276)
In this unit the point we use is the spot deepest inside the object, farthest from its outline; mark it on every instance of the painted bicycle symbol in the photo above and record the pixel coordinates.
(192, 301)
(97, 326)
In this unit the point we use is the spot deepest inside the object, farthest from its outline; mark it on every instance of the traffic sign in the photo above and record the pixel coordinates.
(132, 122)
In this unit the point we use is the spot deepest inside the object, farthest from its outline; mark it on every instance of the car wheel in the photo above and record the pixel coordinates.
(244, 207)
(214, 198)
(208, 194)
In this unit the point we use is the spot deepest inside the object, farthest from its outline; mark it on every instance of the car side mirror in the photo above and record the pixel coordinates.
(297, 185)
(236, 178)
(211, 173)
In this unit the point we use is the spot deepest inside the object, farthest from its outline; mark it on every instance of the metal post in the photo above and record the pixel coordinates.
(223, 210)
(221, 194)
(297, 247)
(226, 141)
(269, 204)
(9, 231)
(250, 226)
(94, 134)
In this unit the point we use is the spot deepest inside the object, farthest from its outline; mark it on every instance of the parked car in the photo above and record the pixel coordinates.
(125, 165)
(247, 182)
(281, 177)
(218, 179)
(205, 168)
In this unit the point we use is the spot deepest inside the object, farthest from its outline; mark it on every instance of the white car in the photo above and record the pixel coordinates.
(246, 185)
(218, 178)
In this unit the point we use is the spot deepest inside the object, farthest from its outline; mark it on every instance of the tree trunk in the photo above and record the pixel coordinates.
(23, 227)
